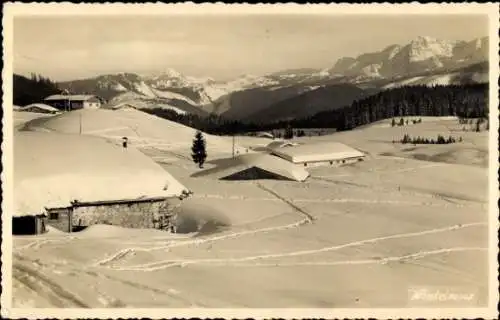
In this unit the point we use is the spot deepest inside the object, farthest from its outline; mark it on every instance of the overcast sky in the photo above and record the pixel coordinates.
(222, 47)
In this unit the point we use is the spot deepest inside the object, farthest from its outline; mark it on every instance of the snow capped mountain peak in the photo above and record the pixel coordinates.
(172, 73)
(424, 48)
(424, 39)
(422, 53)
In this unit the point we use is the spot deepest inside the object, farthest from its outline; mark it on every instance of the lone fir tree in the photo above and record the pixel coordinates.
(199, 151)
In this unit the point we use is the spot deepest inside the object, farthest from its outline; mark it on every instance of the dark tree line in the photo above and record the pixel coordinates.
(420, 140)
(467, 101)
(33, 89)
(464, 101)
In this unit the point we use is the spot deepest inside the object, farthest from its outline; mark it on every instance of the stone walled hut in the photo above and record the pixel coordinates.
(77, 181)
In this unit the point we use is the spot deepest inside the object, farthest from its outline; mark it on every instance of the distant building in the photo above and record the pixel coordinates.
(320, 153)
(265, 135)
(39, 108)
(280, 144)
(72, 102)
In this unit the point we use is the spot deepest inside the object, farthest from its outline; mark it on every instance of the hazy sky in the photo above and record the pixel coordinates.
(66, 48)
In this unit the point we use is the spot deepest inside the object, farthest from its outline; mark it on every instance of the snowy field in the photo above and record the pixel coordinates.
(361, 235)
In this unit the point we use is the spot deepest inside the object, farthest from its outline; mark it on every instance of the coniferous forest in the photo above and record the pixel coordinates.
(32, 90)
(464, 101)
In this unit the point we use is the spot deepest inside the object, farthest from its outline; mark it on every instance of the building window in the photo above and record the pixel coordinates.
(54, 216)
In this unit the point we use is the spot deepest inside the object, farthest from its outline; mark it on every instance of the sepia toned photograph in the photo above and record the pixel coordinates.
(240, 157)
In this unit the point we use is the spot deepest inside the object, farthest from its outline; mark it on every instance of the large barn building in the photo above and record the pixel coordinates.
(255, 166)
(68, 102)
(70, 182)
(317, 154)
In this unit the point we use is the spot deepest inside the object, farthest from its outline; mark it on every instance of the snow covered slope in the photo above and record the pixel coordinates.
(142, 130)
(387, 222)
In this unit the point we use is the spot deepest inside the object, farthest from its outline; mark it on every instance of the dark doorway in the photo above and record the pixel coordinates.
(24, 225)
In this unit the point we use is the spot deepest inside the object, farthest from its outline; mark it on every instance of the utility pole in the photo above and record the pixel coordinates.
(233, 145)
(80, 124)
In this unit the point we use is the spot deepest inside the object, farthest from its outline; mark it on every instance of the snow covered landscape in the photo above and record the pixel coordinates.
(260, 161)
(392, 222)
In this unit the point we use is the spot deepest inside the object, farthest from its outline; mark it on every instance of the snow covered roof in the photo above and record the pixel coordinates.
(40, 107)
(53, 170)
(265, 134)
(269, 163)
(74, 97)
(280, 144)
(319, 151)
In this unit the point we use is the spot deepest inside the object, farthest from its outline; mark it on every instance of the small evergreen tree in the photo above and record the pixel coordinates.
(393, 123)
(478, 125)
(199, 152)
(401, 122)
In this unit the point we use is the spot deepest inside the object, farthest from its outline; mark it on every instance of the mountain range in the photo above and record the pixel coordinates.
(298, 92)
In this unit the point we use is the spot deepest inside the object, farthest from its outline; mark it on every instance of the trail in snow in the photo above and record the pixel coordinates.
(413, 256)
(402, 190)
(308, 216)
(125, 252)
(106, 130)
(230, 197)
(323, 200)
(42, 285)
(39, 243)
(176, 263)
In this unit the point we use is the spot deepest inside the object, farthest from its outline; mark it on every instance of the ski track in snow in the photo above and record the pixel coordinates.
(413, 256)
(42, 285)
(179, 263)
(40, 242)
(308, 219)
(106, 130)
(125, 252)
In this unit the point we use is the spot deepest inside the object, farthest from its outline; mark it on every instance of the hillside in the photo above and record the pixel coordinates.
(469, 101)
(141, 129)
(309, 103)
